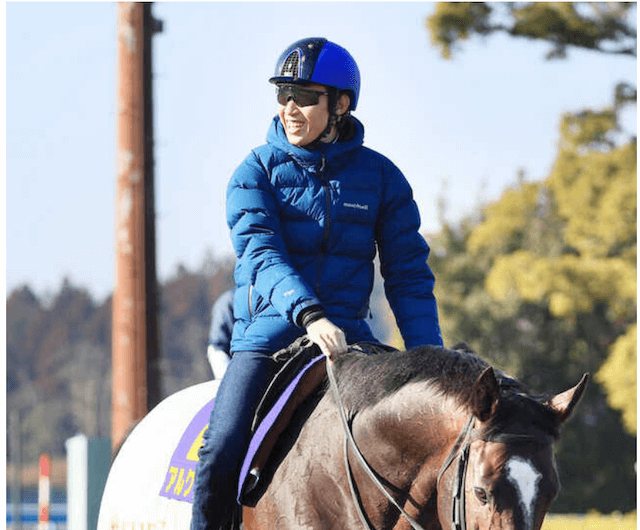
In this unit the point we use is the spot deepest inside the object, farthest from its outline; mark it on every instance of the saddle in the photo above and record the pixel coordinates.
(301, 371)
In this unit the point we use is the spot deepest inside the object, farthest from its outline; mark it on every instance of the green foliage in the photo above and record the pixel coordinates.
(454, 21)
(514, 286)
(510, 218)
(568, 284)
(544, 283)
(567, 262)
(602, 27)
(556, 22)
(619, 375)
(595, 186)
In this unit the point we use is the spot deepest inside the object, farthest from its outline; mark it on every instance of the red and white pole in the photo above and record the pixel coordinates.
(44, 489)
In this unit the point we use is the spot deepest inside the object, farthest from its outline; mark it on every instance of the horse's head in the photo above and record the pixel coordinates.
(510, 477)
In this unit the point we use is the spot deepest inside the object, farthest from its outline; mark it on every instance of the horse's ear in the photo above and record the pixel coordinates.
(484, 396)
(565, 403)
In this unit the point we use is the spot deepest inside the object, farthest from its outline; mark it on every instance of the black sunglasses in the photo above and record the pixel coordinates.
(303, 97)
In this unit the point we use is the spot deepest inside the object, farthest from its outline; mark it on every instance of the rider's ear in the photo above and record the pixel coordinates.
(484, 396)
(342, 106)
(564, 404)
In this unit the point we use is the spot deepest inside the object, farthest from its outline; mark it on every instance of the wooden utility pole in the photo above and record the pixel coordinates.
(134, 339)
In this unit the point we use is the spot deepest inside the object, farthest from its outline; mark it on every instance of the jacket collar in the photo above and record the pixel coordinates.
(314, 160)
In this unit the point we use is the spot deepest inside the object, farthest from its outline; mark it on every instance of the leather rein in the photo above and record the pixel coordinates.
(460, 449)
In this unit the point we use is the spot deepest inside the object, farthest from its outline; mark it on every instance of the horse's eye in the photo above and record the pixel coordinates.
(481, 494)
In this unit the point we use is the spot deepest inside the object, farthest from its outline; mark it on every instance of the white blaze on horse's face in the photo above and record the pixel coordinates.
(524, 477)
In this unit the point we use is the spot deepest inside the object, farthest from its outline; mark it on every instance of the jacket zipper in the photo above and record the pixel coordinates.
(327, 226)
(249, 302)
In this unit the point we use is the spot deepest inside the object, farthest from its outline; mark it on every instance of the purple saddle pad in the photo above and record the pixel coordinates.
(266, 424)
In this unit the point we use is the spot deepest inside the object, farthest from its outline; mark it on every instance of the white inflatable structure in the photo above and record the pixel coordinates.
(150, 484)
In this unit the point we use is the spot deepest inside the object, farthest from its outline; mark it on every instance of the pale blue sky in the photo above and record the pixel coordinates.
(492, 110)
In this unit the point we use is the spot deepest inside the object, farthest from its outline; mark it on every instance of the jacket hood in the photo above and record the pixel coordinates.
(312, 159)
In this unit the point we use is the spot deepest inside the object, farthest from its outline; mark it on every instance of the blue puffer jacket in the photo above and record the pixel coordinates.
(305, 225)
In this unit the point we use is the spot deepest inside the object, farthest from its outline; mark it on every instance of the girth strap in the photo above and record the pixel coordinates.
(349, 440)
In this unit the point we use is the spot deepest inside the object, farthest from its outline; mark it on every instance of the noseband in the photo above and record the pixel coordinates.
(460, 450)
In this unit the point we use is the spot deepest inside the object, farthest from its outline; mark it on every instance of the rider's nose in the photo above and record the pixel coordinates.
(291, 106)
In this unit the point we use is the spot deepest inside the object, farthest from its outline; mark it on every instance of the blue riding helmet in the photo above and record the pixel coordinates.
(317, 60)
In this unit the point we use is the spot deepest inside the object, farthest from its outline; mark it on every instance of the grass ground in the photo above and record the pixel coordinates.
(591, 521)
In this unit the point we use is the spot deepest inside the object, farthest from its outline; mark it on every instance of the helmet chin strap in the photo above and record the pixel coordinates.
(332, 123)
(324, 134)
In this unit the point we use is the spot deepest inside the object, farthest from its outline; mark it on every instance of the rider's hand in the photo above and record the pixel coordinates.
(329, 337)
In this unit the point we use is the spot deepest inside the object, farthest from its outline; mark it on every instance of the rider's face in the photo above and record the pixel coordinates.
(303, 125)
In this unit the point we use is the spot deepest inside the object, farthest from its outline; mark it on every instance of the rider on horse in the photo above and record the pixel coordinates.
(308, 211)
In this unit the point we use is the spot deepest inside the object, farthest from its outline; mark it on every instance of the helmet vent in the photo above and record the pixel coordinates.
(291, 65)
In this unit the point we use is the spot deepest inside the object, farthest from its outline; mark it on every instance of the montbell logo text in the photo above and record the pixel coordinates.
(356, 205)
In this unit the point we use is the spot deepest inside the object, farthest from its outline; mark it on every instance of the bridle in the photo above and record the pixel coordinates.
(460, 450)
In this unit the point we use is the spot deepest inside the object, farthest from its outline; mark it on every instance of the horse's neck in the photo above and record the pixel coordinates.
(415, 426)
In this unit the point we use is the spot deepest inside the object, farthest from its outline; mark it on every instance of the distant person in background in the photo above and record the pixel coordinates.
(219, 349)
(308, 212)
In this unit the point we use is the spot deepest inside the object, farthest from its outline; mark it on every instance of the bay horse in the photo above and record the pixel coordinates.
(429, 439)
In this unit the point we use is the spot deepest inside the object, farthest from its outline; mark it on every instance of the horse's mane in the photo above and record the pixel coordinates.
(366, 379)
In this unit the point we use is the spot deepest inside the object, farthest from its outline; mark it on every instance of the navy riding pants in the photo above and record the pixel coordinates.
(227, 438)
